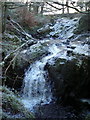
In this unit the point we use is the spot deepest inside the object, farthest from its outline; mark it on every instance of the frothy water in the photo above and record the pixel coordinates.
(36, 88)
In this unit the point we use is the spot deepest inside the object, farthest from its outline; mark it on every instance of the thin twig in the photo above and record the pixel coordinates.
(11, 62)
(17, 49)
(54, 6)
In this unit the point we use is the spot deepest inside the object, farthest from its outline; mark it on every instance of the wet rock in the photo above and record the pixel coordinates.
(44, 30)
(57, 112)
(70, 79)
(69, 52)
(85, 37)
(84, 24)
(72, 47)
(87, 117)
(31, 54)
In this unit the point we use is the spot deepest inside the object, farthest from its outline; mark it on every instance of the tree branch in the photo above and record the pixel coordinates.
(19, 29)
(54, 6)
(16, 50)
(71, 7)
(11, 62)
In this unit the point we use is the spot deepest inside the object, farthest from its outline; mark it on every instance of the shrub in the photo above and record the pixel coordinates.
(88, 117)
(27, 17)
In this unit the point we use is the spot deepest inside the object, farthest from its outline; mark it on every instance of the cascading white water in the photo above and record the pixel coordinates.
(36, 89)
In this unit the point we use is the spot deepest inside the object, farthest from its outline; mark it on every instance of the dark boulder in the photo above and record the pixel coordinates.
(70, 78)
(84, 24)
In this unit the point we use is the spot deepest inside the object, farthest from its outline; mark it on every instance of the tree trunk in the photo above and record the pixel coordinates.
(35, 7)
(63, 8)
(4, 16)
(67, 7)
(42, 6)
(30, 7)
(86, 7)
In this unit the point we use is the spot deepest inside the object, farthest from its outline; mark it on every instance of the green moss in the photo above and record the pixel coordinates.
(87, 117)
(12, 106)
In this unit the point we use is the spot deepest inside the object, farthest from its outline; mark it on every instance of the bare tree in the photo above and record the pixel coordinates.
(63, 7)
(73, 7)
(87, 6)
(4, 15)
(67, 2)
(42, 6)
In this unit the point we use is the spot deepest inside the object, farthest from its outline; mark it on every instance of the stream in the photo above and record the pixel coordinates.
(37, 94)
(37, 89)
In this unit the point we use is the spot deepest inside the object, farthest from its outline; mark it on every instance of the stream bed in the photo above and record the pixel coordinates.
(38, 95)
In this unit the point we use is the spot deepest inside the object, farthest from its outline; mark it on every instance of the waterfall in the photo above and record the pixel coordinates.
(36, 88)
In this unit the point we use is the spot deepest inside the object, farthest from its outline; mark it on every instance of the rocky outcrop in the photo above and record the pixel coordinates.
(70, 78)
(84, 24)
(31, 54)
(87, 117)
(45, 29)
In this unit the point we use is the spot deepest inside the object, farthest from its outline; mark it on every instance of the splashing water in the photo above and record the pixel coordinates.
(36, 88)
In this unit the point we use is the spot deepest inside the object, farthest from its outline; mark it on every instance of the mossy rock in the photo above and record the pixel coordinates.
(54, 72)
(87, 117)
(84, 24)
(31, 54)
(12, 108)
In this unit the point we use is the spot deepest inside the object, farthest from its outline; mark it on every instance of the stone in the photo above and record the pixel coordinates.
(84, 24)
(70, 79)
(44, 30)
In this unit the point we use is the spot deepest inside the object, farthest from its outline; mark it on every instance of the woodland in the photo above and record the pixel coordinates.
(45, 60)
